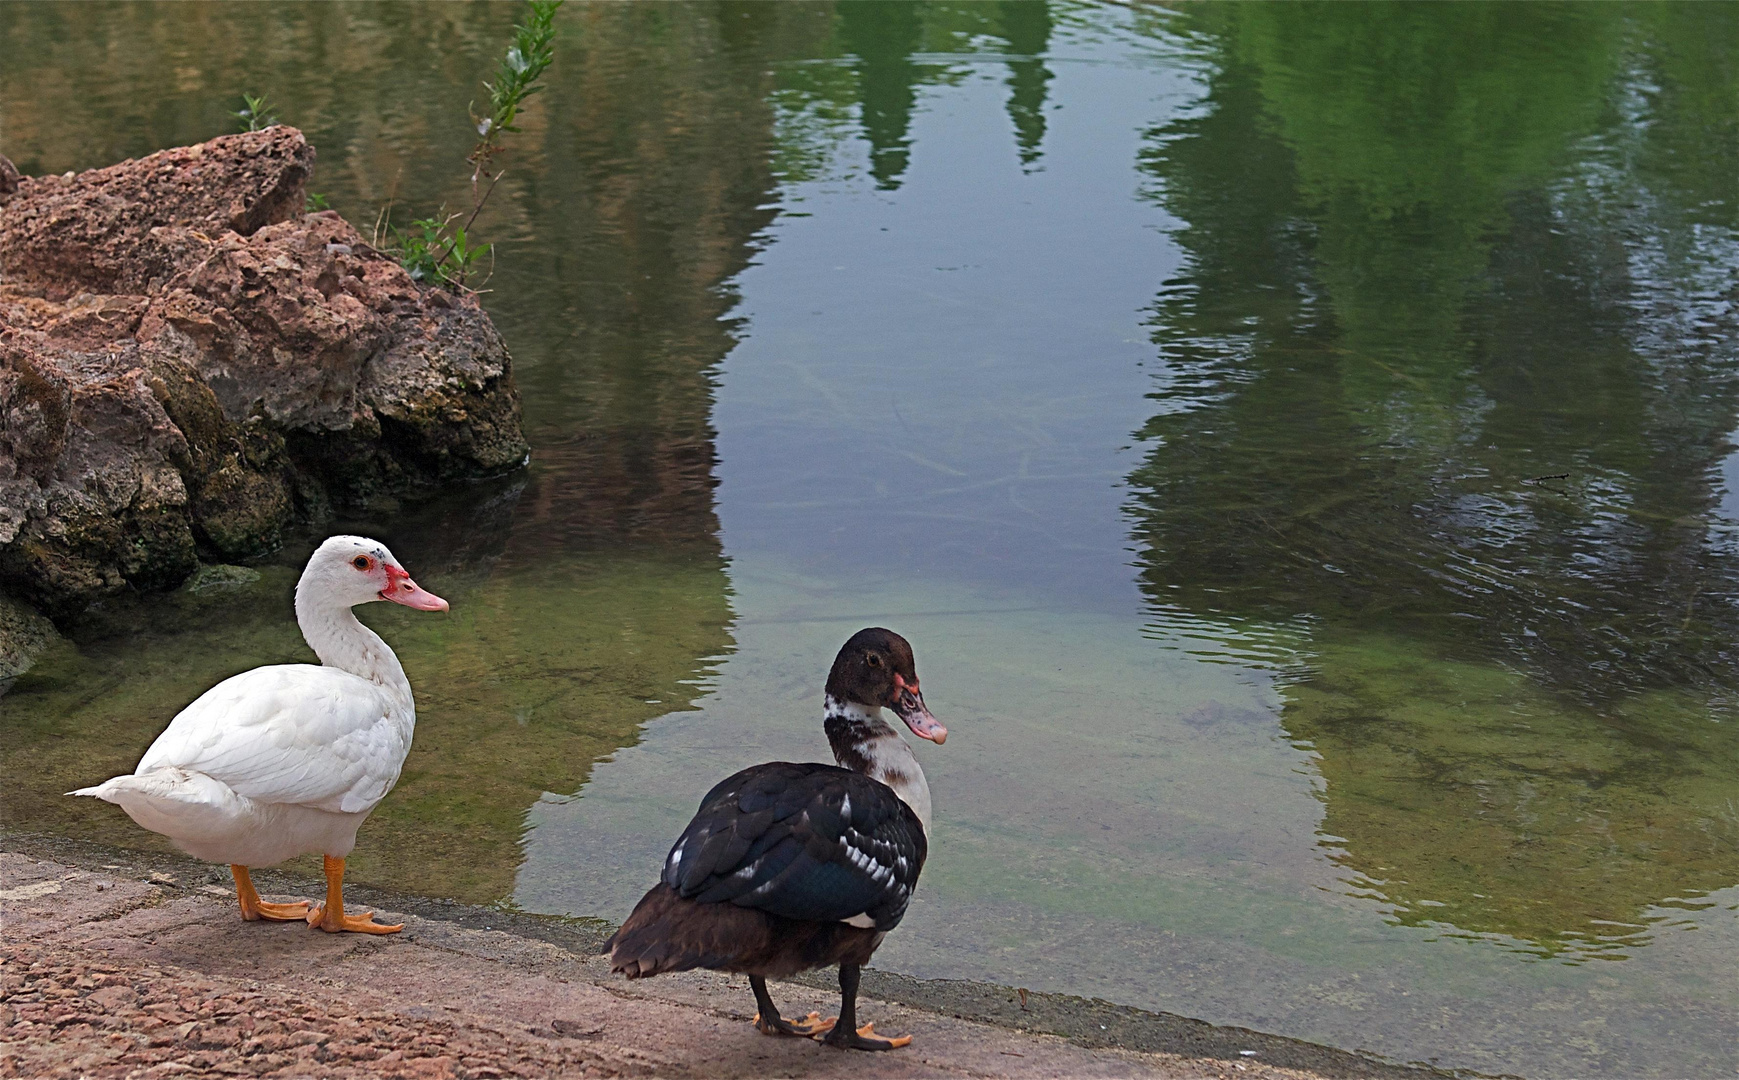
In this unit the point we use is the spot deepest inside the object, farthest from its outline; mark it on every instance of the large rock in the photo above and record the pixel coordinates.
(24, 635)
(187, 359)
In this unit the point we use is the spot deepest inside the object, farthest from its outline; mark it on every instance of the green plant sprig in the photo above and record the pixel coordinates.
(255, 113)
(438, 249)
(515, 81)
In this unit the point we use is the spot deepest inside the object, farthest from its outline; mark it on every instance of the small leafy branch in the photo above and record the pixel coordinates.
(438, 248)
(255, 113)
(515, 81)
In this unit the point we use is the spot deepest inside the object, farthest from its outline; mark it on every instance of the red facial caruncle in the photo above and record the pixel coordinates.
(400, 589)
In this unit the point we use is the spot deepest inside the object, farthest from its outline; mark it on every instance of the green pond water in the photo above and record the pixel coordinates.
(1299, 442)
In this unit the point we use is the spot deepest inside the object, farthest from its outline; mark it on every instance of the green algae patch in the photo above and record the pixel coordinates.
(536, 677)
(1465, 795)
(531, 679)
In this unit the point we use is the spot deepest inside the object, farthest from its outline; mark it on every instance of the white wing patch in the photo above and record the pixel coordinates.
(862, 859)
(861, 921)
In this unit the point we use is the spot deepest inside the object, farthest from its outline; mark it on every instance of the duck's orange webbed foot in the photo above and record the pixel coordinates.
(254, 909)
(811, 1025)
(330, 916)
(864, 1038)
(279, 912)
(769, 1022)
(360, 923)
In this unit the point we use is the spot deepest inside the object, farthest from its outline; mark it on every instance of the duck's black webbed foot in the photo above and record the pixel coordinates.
(864, 1038)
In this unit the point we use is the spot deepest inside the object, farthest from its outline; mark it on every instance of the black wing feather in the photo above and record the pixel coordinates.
(803, 841)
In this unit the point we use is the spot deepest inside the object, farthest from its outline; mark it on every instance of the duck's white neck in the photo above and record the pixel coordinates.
(865, 742)
(342, 642)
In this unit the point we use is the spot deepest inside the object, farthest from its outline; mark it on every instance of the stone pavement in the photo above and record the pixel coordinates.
(122, 971)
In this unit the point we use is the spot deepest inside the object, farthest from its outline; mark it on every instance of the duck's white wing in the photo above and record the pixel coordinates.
(292, 733)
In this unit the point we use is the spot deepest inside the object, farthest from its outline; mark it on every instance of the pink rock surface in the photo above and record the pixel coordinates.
(187, 360)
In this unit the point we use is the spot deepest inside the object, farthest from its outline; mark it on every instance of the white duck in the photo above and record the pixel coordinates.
(289, 759)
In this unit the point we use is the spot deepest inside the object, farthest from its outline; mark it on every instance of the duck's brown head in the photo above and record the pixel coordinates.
(875, 669)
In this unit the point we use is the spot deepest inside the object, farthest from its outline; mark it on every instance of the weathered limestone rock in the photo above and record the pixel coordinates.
(24, 635)
(187, 359)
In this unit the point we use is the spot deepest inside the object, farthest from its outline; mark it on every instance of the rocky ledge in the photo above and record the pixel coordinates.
(188, 361)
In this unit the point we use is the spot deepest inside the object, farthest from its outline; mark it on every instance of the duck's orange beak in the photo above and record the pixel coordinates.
(400, 589)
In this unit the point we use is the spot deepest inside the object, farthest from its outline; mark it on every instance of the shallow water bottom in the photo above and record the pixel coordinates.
(1117, 818)
(543, 665)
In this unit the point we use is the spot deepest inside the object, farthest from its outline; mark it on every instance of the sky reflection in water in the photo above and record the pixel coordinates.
(1191, 387)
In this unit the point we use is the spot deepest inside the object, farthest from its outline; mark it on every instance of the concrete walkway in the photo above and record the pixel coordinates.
(118, 969)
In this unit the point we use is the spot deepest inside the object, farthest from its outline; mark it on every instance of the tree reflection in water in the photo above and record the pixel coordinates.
(590, 595)
(1438, 256)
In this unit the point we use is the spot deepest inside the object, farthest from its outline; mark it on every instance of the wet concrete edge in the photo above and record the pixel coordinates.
(1087, 1022)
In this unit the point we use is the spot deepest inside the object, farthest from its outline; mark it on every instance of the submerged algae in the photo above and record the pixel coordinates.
(1465, 794)
(531, 680)
(536, 678)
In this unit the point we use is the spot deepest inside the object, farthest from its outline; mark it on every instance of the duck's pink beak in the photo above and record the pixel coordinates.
(909, 706)
(400, 589)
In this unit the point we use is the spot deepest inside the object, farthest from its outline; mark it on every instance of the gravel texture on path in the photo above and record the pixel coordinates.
(106, 972)
(69, 1013)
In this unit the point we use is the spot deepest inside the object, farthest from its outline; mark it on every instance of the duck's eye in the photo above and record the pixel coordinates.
(361, 562)
(873, 660)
